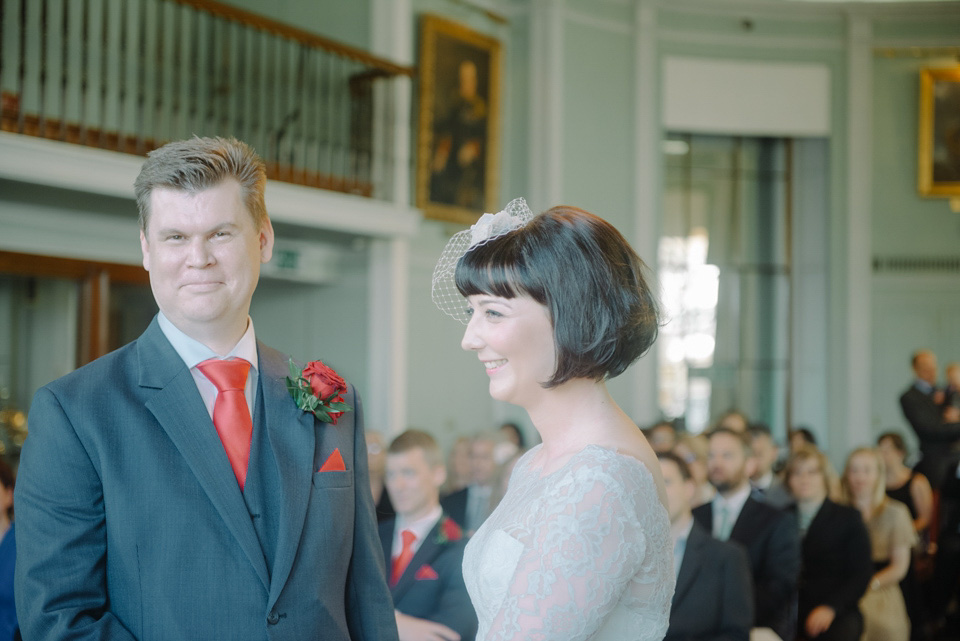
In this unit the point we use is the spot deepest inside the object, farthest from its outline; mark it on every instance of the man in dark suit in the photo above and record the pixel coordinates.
(768, 534)
(173, 489)
(713, 600)
(471, 506)
(937, 427)
(422, 547)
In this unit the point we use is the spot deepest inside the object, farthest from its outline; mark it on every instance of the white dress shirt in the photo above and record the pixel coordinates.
(420, 528)
(193, 352)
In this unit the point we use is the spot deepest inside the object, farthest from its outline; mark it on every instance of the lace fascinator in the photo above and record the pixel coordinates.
(445, 294)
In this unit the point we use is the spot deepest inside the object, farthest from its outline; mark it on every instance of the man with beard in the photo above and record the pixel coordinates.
(769, 535)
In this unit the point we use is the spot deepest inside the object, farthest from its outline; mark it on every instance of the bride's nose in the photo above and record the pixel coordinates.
(471, 342)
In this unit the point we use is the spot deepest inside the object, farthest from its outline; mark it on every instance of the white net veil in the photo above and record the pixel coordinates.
(445, 293)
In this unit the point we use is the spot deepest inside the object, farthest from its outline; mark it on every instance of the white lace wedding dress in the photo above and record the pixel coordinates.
(582, 553)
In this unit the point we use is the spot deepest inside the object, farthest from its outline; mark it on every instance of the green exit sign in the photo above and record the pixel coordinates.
(286, 258)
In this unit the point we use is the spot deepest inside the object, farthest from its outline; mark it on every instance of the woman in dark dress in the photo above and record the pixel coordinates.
(913, 490)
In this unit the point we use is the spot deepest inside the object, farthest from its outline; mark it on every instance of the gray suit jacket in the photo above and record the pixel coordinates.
(130, 523)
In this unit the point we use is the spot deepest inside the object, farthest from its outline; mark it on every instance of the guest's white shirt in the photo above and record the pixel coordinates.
(420, 528)
(733, 503)
(193, 352)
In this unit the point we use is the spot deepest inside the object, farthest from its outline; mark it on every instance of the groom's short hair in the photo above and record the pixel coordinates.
(604, 314)
(197, 164)
(412, 439)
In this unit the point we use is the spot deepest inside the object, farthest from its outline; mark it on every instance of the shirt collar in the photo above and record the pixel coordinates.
(735, 501)
(923, 386)
(194, 352)
(422, 526)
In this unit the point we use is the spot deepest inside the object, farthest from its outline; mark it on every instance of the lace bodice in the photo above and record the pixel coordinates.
(582, 553)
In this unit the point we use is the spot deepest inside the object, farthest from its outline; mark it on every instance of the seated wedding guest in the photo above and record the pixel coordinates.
(662, 437)
(800, 437)
(713, 600)
(835, 564)
(8, 554)
(692, 448)
(768, 534)
(471, 506)
(512, 433)
(913, 490)
(733, 420)
(458, 467)
(767, 487)
(891, 537)
(423, 548)
(377, 461)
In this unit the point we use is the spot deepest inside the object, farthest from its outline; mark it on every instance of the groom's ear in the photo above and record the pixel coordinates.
(145, 250)
(266, 242)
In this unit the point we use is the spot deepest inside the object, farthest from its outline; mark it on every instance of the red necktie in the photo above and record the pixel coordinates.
(402, 560)
(231, 415)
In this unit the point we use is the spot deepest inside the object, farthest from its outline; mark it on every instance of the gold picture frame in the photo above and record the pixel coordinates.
(458, 145)
(939, 133)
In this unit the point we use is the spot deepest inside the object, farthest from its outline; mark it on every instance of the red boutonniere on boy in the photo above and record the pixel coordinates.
(449, 532)
(319, 390)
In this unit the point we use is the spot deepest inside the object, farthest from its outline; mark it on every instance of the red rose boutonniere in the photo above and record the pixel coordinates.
(319, 390)
(449, 532)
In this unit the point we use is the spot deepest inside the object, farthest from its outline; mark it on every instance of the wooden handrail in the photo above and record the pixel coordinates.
(294, 33)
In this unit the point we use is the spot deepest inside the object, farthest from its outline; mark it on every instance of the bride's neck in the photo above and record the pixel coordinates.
(574, 414)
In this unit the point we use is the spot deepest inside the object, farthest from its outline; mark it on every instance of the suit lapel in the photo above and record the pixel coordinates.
(179, 409)
(425, 554)
(691, 561)
(292, 437)
(744, 530)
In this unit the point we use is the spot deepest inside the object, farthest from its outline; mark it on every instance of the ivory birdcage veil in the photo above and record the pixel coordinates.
(445, 294)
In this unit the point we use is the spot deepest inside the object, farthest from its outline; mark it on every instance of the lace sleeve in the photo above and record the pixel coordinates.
(586, 551)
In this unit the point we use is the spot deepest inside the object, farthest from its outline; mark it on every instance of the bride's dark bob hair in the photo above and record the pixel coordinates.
(604, 314)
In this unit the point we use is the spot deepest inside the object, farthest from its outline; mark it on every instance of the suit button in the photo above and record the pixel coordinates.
(273, 618)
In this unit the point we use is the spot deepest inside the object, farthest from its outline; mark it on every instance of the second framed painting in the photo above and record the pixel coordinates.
(458, 125)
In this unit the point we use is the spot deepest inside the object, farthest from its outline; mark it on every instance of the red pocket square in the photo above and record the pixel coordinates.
(334, 463)
(426, 572)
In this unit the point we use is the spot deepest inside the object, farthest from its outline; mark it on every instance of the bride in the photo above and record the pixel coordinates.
(579, 547)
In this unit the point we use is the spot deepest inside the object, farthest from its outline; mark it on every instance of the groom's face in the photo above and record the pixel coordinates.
(203, 252)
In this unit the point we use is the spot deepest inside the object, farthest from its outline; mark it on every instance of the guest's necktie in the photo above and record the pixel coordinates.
(402, 560)
(231, 415)
(725, 528)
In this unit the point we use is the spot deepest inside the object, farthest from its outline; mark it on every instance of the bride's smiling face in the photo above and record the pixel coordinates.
(513, 338)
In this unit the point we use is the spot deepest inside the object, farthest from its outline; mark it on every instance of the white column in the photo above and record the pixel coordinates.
(546, 103)
(385, 401)
(646, 229)
(856, 398)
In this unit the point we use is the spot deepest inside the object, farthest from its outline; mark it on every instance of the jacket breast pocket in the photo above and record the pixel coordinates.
(332, 479)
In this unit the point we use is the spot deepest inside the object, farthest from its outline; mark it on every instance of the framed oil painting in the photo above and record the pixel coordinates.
(458, 124)
(939, 133)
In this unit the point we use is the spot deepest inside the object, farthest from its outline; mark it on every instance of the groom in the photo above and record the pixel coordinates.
(173, 489)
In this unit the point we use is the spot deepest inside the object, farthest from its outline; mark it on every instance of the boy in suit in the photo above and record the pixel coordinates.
(422, 547)
(173, 490)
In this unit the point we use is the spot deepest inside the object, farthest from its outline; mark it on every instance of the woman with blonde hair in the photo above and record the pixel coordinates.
(891, 538)
(835, 563)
